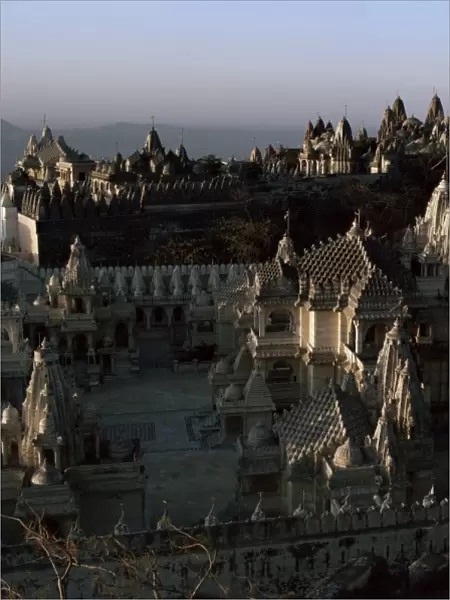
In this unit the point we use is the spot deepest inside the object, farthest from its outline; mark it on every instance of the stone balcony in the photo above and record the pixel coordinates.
(274, 344)
(80, 322)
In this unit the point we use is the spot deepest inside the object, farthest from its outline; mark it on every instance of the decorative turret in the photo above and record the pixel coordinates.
(210, 519)
(49, 414)
(319, 127)
(78, 273)
(153, 144)
(435, 111)
(399, 111)
(164, 522)
(343, 134)
(255, 155)
(46, 136)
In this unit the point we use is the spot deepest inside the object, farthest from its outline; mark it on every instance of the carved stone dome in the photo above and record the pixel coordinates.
(47, 424)
(47, 475)
(10, 415)
(348, 455)
(259, 436)
(233, 393)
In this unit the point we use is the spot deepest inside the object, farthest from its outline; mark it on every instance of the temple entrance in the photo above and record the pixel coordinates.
(374, 338)
(49, 456)
(14, 455)
(159, 317)
(79, 346)
(77, 306)
(121, 335)
(140, 319)
(178, 315)
(178, 326)
(281, 372)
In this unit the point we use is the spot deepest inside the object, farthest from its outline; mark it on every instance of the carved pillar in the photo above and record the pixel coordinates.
(90, 341)
(358, 337)
(130, 336)
(58, 458)
(97, 445)
(5, 452)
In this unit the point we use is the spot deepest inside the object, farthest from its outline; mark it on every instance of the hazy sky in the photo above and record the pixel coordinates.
(211, 62)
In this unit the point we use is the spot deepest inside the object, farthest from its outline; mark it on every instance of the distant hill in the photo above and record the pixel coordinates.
(101, 142)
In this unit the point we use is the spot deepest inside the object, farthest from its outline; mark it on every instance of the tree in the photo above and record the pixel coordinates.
(212, 164)
(113, 568)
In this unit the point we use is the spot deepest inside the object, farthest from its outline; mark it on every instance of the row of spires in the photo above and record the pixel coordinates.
(164, 523)
(78, 201)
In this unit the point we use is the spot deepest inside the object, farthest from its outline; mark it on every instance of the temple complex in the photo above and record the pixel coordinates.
(308, 385)
(328, 150)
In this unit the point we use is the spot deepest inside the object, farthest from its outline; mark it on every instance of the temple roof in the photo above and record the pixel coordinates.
(354, 257)
(322, 423)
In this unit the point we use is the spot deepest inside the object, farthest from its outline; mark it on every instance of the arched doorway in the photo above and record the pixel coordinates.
(281, 372)
(178, 315)
(178, 326)
(77, 306)
(278, 321)
(14, 455)
(159, 317)
(121, 335)
(374, 337)
(416, 267)
(140, 319)
(79, 346)
(5, 335)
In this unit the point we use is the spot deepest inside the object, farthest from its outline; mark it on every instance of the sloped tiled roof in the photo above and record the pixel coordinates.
(278, 277)
(59, 150)
(322, 423)
(356, 257)
(256, 391)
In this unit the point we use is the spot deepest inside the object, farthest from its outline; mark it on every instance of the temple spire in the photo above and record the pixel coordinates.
(182, 136)
(345, 109)
(287, 218)
(153, 122)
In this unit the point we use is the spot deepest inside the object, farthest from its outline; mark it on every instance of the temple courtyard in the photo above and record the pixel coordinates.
(164, 410)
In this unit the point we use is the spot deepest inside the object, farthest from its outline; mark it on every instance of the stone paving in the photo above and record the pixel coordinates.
(160, 408)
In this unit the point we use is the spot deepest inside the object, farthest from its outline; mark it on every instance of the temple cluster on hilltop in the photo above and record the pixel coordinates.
(329, 151)
(333, 370)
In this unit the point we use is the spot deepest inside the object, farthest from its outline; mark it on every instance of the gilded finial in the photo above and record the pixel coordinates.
(153, 122)
(345, 114)
(182, 136)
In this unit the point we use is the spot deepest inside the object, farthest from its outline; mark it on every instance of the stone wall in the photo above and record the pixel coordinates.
(277, 554)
